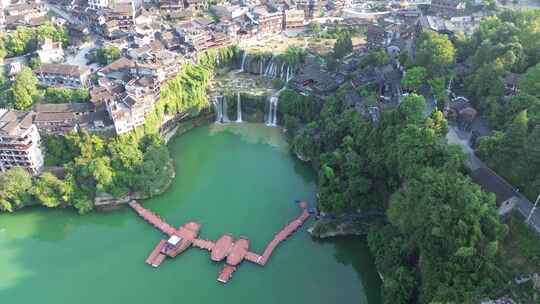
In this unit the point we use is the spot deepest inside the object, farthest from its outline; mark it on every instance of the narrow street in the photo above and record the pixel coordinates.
(461, 138)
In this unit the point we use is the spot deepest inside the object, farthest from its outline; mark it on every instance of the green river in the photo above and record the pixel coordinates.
(238, 178)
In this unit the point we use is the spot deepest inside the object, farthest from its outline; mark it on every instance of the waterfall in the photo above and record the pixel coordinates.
(238, 108)
(270, 112)
(261, 66)
(269, 67)
(274, 120)
(218, 109)
(224, 115)
(289, 74)
(271, 119)
(282, 70)
(244, 55)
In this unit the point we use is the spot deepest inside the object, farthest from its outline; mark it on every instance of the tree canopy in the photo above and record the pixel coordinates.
(435, 52)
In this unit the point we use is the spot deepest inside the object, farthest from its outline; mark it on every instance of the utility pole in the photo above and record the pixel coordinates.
(533, 209)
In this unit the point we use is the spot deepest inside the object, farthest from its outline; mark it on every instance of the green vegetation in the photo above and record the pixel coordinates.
(403, 165)
(25, 40)
(105, 55)
(23, 91)
(15, 187)
(93, 166)
(507, 43)
(343, 46)
(65, 95)
(435, 52)
(414, 79)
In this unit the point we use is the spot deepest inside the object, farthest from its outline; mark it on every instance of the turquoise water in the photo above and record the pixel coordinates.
(239, 179)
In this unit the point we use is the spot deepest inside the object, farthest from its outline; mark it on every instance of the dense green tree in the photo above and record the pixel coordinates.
(15, 185)
(458, 235)
(343, 46)
(529, 83)
(24, 90)
(315, 28)
(66, 95)
(155, 172)
(50, 191)
(437, 122)
(414, 78)
(25, 40)
(435, 52)
(106, 54)
(412, 108)
(439, 91)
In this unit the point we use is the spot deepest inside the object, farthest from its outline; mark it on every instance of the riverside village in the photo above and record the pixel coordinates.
(399, 138)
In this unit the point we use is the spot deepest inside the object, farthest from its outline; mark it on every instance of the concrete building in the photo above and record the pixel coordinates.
(294, 18)
(60, 118)
(63, 75)
(98, 4)
(128, 112)
(269, 23)
(51, 52)
(375, 37)
(19, 142)
(447, 8)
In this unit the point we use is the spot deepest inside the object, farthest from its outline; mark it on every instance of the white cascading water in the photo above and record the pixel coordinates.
(271, 119)
(244, 55)
(288, 76)
(261, 67)
(218, 109)
(268, 67)
(224, 115)
(274, 120)
(238, 108)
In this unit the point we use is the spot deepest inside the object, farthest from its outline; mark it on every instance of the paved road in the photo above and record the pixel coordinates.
(524, 206)
(56, 9)
(79, 57)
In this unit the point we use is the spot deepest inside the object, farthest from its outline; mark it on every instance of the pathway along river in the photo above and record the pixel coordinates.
(238, 178)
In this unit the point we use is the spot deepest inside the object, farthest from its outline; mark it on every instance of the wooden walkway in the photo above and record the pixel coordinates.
(282, 236)
(224, 248)
(203, 244)
(152, 218)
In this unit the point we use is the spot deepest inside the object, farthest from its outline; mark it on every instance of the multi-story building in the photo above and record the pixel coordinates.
(447, 8)
(50, 51)
(294, 18)
(375, 36)
(32, 10)
(124, 14)
(162, 65)
(311, 8)
(269, 22)
(197, 5)
(63, 75)
(128, 112)
(172, 5)
(98, 4)
(60, 118)
(19, 142)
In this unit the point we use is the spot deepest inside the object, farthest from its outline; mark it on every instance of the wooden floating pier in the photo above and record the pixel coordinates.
(225, 248)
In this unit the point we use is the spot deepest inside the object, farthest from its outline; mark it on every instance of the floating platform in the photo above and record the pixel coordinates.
(225, 247)
(156, 257)
(226, 274)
